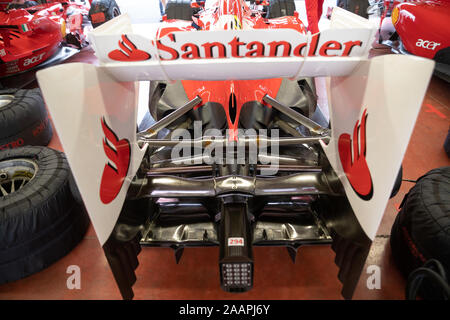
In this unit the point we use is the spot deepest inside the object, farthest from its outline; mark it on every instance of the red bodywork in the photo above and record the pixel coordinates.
(223, 15)
(423, 26)
(28, 37)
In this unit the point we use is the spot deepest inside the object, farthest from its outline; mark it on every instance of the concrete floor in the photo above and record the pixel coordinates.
(313, 276)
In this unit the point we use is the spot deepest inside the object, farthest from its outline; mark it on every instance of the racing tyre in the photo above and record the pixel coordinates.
(421, 229)
(23, 119)
(358, 7)
(179, 9)
(40, 221)
(280, 8)
(447, 144)
(102, 11)
(443, 56)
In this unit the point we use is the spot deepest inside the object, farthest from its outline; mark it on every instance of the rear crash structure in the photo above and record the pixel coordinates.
(236, 163)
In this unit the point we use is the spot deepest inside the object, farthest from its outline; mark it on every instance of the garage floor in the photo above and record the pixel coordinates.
(313, 276)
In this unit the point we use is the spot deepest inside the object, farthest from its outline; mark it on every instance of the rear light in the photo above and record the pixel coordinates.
(394, 15)
(236, 259)
(236, 276)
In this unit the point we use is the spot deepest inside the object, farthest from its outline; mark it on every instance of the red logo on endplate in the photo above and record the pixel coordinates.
(356, 169)
(128, 52)
(115, 171)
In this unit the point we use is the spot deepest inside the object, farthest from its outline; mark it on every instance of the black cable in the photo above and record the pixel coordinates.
(438, 278)
(440, 268)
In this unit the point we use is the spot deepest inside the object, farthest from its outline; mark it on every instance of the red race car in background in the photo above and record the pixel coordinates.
(32, 32)
(37, 34)
(417, 27)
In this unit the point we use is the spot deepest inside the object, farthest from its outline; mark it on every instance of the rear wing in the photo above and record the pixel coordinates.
(374, 102)
(131, 54)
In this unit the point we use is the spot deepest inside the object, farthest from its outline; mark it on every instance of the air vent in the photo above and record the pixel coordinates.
(232, 107)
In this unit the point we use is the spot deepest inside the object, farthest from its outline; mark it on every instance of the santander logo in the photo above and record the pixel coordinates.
(355, 168)
(169, 48)
(128, 52)
(115, 171)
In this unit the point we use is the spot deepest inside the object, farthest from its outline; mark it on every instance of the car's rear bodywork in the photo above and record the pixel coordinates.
(234, 158)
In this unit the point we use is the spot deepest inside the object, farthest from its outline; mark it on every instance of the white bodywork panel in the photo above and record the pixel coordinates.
(77, 106)
(390, 90)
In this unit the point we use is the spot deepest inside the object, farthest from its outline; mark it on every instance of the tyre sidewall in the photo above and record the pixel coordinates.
(41, 222)
(24, 121)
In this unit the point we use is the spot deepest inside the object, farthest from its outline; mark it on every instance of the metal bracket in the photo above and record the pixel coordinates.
(294, 115)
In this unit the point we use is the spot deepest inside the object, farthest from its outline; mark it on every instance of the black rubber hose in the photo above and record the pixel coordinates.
(416, 277)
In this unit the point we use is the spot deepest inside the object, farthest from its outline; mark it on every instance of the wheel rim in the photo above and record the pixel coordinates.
(16, 174)
(5, 99)
(116, 12)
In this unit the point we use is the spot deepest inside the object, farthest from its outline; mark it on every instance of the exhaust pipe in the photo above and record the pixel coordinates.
(167, 186)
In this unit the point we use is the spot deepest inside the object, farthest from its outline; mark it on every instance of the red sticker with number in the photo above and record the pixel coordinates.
(236, 242)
